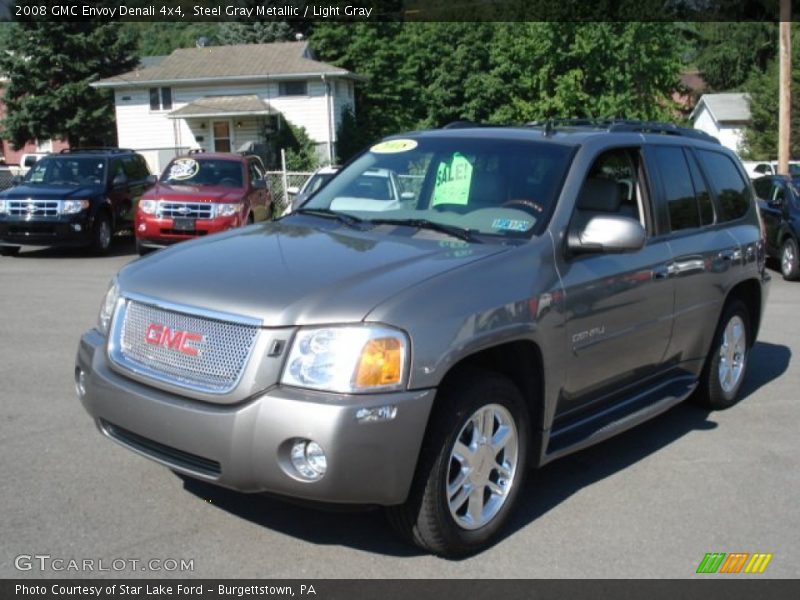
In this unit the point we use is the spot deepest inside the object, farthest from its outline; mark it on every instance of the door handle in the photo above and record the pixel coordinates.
(663, 271)
(731, 255)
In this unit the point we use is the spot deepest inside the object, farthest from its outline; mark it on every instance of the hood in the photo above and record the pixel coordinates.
(193, 193)
(298, 272)
(40, 191)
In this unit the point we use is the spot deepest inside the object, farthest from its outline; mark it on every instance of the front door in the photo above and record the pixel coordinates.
(619, 306)
(222, 136)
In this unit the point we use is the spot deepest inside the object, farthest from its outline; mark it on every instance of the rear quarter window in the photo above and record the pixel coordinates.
(728, 184)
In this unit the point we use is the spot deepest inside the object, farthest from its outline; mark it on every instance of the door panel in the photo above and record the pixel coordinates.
(619, 319)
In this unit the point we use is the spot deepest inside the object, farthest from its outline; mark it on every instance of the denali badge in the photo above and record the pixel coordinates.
(161, 335)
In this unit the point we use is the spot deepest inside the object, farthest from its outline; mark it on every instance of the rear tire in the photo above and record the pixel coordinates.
(790, 261)
(471, 467)
(102, 233)
(726, 365)
(9, 250)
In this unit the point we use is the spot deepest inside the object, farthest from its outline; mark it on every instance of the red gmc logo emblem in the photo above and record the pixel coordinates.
(174, 339)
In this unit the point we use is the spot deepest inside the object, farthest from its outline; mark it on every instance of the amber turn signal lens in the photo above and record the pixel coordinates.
(380, 364)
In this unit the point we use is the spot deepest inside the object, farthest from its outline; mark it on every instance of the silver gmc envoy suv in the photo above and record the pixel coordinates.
(527, 292)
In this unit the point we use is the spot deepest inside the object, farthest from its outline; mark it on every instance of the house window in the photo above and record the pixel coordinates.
(293, 88)
(161, 98)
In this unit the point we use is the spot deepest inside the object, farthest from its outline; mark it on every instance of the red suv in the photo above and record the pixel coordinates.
(200, 194)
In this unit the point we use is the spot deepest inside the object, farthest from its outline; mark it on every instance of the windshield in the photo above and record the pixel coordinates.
(68, 170)
(495, 187)
(204, 171)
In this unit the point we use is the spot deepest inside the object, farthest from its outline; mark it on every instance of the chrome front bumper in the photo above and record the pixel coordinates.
(246, 446)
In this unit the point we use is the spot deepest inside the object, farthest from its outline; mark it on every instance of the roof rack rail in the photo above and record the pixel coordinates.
(461, 125)
(549, 126)
(659, 127)
(113, 150)
(196, 151)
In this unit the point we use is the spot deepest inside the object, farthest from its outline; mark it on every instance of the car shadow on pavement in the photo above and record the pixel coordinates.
(544, 489)
(123, 245)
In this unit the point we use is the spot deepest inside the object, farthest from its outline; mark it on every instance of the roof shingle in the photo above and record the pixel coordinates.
(245, 61)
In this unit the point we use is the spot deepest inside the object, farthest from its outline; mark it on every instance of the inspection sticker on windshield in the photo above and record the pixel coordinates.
(393, 146)
(183, 168)
(511, 224)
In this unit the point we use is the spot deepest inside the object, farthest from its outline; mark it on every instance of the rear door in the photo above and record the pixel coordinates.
(705, 257)
(774, 206)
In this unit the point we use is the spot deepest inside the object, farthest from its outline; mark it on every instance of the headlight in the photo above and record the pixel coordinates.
(107, 307)
(71, 207)
(3, 208)
(148, 207)
(347, 359)
(227, 210)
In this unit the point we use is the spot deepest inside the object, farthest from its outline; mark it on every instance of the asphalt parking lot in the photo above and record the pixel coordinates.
(649, 503)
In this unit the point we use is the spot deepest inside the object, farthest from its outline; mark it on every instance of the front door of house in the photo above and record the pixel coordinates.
(222, 136)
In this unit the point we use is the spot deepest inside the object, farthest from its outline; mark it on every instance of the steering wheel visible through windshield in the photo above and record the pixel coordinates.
(484, 187)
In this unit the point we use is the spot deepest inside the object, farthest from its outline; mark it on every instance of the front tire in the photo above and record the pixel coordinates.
(726, 365)
(101, 234)
(471, 467)
(790, 261)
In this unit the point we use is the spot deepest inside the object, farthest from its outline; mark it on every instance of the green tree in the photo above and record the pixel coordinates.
(255, 32)
(159, 38)
(50, 66)
(590, 70)
(761, 137)
(301, 152)
(728, 53)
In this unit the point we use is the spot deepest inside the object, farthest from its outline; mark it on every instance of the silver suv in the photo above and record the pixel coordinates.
(539, 289)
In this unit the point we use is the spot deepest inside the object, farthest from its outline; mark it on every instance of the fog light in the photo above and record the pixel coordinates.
(142, 227)
(309, 459)
(77, 226)
(80, 382)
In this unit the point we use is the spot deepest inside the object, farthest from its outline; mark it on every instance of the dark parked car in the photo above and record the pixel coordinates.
(779, 202)
(78, 197)
(541, 289)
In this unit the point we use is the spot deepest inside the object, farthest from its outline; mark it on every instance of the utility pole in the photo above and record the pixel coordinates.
(785, 97)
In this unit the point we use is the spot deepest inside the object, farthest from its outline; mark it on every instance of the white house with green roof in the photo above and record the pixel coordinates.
(222, 98)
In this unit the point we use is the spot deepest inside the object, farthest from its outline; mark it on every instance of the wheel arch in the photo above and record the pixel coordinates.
(749, 292)
(522, 362)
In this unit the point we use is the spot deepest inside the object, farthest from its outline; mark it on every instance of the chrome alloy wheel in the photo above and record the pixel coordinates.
(787, 259)
(483, 465)
(732, 353)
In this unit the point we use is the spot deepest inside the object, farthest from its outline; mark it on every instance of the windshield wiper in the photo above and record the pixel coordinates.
(327, 213)
(461, 233)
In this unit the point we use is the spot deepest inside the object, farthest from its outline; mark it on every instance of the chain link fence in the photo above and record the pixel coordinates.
(280, 195)
(6, 177)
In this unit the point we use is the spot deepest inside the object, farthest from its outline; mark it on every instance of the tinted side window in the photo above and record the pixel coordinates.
(701, 192)
(679, 193)
(728, 184)
(763, 188)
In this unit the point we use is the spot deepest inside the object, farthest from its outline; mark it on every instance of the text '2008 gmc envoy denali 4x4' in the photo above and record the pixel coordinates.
(534, 291)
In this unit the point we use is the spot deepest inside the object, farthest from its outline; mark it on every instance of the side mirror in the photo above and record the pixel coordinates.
(293, 190)
(259, 184)
(151, 179)
(605, 233)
